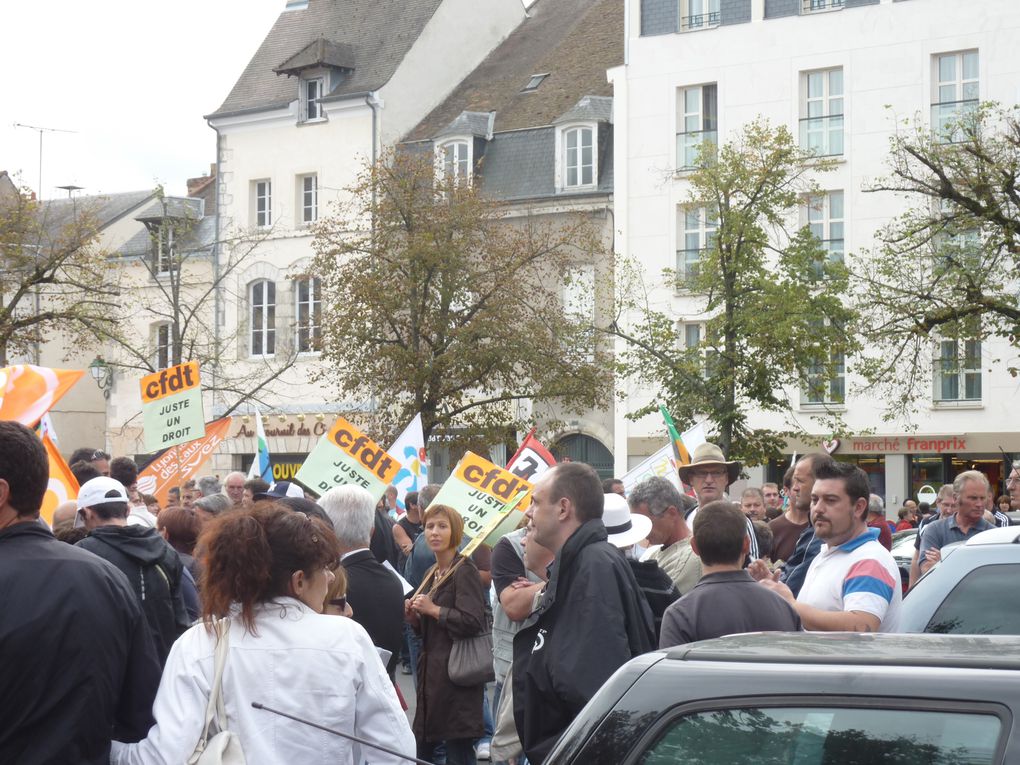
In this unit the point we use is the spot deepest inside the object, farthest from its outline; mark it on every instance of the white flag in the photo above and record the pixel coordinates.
(409, 451)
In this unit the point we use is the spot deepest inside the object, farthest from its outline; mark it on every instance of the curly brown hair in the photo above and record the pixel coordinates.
(250, 557)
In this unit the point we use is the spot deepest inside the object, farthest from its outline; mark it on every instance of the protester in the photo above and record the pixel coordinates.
(233, 487)
(99, 459)
(151, 566)
(906, 519)
(125, 470)
(209, 485)
(151, 504)
(307, 507)
(752, 503)
(853, 584)
(207, 508)
(773, 499)
(625, 530)
(268, 572)
(180, 528)
(726, 600)
(658, 499)
(1013, 485)
(189, 493)
(971, 490)
(614, 486)
(945, 503)
(787, 528)
(763, 534)
(565, 651)
(375, 594)
(83, 472)
(77, 662)
(876, 520)
(335, 602)
(449, 606)
(252, 487)
(1003, 503)
(63, 516)
(407, 528)
(383, 545)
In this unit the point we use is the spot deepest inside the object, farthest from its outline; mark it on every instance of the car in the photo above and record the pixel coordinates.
(806, 699)
(903, 552)
(972, 590)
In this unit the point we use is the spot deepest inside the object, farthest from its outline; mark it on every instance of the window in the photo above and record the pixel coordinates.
(826, 381)
(161, 338)
(821, 112)
(456, 161)
(263, 318)
(692, 336)
(958, 371)
(263, 204)
(824, 213)
(955, 90)
(814, 6)
(307, 294)
(534, 82)
(697, 233)
(312, 91)
(578, 157)
(309, 199)
(984, 602)
(698, 14)
(163, 249)
(829, 733)
(696, 123)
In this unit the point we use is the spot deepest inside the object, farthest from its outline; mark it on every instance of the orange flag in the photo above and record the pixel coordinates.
(176, 465)
(27, 392)
(63, 485)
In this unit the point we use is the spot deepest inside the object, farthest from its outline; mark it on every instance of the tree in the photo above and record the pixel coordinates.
(944, 274)
(436, 301)
(52, 274)
(770, 298)
(184, 277)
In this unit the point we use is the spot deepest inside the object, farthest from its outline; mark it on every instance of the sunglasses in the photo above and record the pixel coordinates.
(338, 603)
(99, 454)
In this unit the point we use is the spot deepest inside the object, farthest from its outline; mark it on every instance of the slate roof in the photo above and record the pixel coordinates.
(575, 41)
(468, 123)
(200, 237)
(588, 109)
(176, 207)
(378, 32)
(321, 52)
(106, 208)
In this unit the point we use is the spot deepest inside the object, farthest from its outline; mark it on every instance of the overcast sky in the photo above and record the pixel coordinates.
(132, 78)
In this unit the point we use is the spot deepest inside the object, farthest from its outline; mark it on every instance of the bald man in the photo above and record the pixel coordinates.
(63, 516)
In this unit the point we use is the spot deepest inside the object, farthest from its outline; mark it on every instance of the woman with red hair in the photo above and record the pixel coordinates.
(267, 572)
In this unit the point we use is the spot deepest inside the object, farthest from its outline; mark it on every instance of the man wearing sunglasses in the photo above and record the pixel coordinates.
(99, 459)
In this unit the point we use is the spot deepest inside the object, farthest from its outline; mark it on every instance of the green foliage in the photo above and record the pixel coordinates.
(771, 303)
(53, 276)
(436, 300)
(946, 268)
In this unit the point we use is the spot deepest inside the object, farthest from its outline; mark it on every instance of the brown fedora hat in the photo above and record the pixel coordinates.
(707, 455)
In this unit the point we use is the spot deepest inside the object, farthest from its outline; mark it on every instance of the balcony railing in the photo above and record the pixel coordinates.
(822, 136)
(688, 145)
(813, 6)
(946, 115)
(699, 21)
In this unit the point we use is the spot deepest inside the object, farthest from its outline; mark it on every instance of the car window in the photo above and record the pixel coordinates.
(827, 736)
(985, 602)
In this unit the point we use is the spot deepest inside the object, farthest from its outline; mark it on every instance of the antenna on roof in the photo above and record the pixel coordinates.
(42, 130)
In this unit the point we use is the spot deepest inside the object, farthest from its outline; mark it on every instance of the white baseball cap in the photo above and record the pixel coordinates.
(99, 490)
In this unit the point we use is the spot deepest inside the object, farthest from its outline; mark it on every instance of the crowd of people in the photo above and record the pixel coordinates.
(127, 627)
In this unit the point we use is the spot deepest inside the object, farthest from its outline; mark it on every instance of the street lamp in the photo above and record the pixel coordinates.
(102, 374)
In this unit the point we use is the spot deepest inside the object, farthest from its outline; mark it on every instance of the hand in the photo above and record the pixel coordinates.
(760, 571)
(933, 556)
(779, 588)
(520, 583)
(407, 548)
(423, 606)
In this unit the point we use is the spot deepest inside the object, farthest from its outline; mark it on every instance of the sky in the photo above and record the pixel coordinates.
(131, 78)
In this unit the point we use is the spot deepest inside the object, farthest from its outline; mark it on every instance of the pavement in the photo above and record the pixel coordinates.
(406, 685)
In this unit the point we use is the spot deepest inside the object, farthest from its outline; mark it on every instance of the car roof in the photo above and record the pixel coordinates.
(1007, 535)
(963, 651)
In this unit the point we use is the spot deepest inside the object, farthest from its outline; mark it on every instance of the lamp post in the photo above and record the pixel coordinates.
(102, 373)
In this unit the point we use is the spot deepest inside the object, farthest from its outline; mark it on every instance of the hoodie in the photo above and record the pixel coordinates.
(153, 570)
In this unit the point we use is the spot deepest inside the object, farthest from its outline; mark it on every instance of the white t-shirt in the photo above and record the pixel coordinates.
(858, 575)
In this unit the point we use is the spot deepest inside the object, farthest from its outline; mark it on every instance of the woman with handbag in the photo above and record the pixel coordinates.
(447, 608)
(265, 639)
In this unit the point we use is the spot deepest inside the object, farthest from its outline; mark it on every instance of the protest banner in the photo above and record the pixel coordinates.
(662, 464)
(27, 392)
(345, 455)
(172, 406)
(181, 463)
(483, 493)
(62, 486)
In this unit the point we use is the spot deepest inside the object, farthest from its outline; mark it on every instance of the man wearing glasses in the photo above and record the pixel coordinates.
(709, 474)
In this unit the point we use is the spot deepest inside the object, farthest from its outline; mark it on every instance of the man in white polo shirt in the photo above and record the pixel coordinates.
(853, 584)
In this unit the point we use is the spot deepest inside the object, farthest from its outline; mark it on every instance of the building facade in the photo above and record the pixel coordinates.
(838, 74)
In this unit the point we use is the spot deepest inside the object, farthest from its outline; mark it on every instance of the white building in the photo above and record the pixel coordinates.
(827, 69)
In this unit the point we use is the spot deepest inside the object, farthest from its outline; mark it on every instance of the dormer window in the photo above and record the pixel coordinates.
(577, 162)
(456, 159)
(312, 91)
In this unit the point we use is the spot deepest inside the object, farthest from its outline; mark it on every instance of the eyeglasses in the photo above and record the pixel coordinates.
(338, 603)
(708, 473)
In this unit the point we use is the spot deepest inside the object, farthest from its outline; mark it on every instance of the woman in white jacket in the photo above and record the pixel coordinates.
(268, 570)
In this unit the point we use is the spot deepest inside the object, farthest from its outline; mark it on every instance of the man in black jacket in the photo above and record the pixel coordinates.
(374, 592)
(77, 665)
(590, 620)
(152, 566)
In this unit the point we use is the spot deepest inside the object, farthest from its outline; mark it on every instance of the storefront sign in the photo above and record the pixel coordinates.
(317, 428)
(916, 444)
(345, 455)
(172, 406)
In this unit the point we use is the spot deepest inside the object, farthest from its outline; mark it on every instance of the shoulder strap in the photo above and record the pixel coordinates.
(215, 709)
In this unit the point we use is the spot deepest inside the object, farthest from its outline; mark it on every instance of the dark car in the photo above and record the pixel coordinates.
(806, 699)
(903, 553)
(973, 590)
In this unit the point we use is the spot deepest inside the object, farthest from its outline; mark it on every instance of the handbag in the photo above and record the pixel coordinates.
(224, 748)
(470, 661)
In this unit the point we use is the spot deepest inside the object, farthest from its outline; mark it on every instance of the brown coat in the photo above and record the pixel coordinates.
(448, 711)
